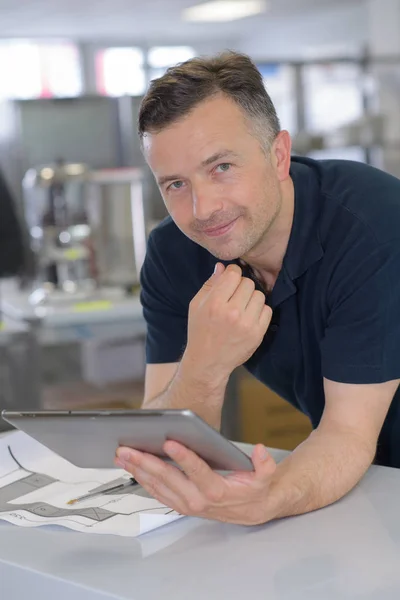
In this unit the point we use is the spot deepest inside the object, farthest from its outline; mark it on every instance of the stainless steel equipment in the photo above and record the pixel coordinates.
(87, 229)
(118, 223)
(55, 209)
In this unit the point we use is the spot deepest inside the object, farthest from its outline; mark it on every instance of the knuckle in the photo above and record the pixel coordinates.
(233, 315)
(193, 471)
(196, 506)
(207, 286)
(249, 283)
(215, 495)
(259, 295)
(246, 326)
(234, 275)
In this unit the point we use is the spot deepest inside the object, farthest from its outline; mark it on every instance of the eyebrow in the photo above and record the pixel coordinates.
(205, 163)
(218, 156)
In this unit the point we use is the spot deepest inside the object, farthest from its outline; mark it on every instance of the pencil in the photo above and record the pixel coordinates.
(113, 488)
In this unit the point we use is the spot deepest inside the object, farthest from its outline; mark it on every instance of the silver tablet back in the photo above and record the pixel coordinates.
(90, 438)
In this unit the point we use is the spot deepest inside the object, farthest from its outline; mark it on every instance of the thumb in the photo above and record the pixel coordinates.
(263, 462)
(218, 270)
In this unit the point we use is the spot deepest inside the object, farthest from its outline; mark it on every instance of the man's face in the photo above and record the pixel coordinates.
(218, 185)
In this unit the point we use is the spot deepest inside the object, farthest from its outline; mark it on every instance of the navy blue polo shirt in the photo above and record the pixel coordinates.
(336, 301)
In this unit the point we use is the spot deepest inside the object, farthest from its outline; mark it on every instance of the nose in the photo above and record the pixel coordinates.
(205, 202)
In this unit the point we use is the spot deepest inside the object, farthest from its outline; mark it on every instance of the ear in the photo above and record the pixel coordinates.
(281, 153)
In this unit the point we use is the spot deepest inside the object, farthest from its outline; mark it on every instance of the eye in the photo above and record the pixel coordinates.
(176, 185)
(223, 167)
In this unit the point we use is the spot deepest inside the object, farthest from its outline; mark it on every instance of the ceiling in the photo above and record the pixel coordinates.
(134, 19)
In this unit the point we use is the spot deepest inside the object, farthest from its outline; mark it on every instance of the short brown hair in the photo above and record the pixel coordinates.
(183, 87)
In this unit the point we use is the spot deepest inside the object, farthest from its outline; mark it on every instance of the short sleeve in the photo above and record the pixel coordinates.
(165, 314)
(362, 338)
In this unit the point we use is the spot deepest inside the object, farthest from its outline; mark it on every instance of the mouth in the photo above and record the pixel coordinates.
(220, 230)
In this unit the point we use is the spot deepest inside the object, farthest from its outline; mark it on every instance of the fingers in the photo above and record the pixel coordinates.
(218, 270)
(193, 466)
(161, 480)
(256, 305)
(265, 317)
(227, 283)
(263, 462)
(222, 282)
(209, 284)
(199, 491)
(210, 486)
(227, 287)
(242, 295)
(157, 490)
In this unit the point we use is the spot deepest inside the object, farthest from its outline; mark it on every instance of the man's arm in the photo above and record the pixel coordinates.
(173, 385)
(227, 321)
(337, 454)
(319, 472)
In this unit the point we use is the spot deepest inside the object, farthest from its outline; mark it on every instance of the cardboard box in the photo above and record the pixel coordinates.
(268, 419)
(84, 396)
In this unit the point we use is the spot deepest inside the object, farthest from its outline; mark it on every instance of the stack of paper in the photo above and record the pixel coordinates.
(36, 485)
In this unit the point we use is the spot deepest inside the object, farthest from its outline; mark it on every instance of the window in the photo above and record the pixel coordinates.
(20, 73)
(162, 57)
(120, 72)
(333, 99)
(333, 95)
(33, 70)
(279, 83)
(61, 72)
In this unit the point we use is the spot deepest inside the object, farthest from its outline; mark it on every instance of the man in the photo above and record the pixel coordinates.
(305, 293)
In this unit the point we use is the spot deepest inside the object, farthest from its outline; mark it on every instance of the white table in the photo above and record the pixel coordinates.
(67, 322)
(102, 319)
(348, 551)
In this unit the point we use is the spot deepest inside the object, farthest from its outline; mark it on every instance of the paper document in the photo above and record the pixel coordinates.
(36, 485)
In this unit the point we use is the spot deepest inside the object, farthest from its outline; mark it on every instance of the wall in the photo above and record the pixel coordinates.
(77, 130)
(334, 31)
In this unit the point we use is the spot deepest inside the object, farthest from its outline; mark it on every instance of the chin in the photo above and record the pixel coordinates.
(226, 256)
(225, 252)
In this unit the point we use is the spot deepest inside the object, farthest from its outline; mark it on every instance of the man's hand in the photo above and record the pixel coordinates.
(228, 319)
(197, 490)
(317, 473)
(227, 322)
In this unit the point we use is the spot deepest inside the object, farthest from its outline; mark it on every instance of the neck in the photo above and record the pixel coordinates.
(267, 257)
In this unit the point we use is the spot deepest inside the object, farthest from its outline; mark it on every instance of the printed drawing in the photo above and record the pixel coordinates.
(33, 481)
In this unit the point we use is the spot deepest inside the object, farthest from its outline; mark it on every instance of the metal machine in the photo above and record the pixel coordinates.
(87, 227)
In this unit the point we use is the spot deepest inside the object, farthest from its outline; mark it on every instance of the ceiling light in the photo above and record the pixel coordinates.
(224, 10)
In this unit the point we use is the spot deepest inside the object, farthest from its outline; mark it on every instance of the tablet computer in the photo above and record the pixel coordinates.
(90, 438)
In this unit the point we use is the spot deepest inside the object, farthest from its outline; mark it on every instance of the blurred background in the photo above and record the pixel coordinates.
(77, 201)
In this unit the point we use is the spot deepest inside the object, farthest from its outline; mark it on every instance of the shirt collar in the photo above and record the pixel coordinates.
(304, 246)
